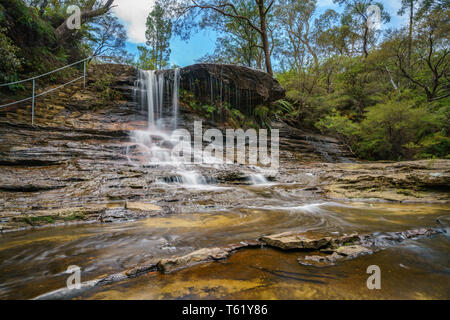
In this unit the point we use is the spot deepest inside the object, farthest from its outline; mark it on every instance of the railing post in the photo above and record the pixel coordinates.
(32, 103)
(84, 74)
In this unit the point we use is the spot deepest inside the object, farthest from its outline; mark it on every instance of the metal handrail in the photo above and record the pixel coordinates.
(45, 74)
(41, 94)
(34, 96)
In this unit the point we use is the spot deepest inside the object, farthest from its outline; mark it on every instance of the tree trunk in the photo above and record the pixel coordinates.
(264, 37)
(411, 18)
(62, 33)
(365, 41)
(312, 52)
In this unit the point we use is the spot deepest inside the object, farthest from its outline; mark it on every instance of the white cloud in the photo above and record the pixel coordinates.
(133, 14)
(325, 4)
(394, 5)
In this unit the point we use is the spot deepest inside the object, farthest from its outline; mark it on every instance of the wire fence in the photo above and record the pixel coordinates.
(33, 79)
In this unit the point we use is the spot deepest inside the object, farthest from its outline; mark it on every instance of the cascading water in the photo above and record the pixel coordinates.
(149, 91)
(158, 94)
(161, 82)
(151, 88)
(257, 178)
(176, 84)
(154, 145)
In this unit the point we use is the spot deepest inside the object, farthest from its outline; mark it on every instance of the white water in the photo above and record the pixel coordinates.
(176, 84)
(154, 145)
(192, 178)
(257, 178)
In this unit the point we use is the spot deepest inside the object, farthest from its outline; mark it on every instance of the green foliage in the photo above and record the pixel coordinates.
(393, 130)
(32, 26)
(357, 87)
(207, 110)
(146, 60)
(237, 119)
(11, 63)
(238, 42)
(2, 14)
(103, 85)
(262, 115)
(28, 20)
(385, 101)
(339, 126)
(283, 108)
(389, 129)
(436, 145)
(158, 35)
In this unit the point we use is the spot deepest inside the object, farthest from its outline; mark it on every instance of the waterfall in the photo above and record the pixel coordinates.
(161, 81)
(257, 178)
(149, 89)
(211, 94)
(158, 93)
(150, 77)
(192, 178)
(176, 84)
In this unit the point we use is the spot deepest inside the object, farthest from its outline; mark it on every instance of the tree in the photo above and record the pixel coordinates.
(158, 35)
(358, 18)
(146, 59)
(408, 6)
(107, 36)
(430, 65)
(230, 10)
(295, 16)
(388, 129)
(239, 43)
(334, 36)
(54, 12)
(40, 5)
(91, 10)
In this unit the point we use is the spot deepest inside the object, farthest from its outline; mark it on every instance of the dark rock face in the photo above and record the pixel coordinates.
(242, 87)
(312, 146)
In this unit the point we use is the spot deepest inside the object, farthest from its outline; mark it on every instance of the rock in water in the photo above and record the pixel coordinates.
(353, 251)
(320, 261)
(289, 241)
(202, 255)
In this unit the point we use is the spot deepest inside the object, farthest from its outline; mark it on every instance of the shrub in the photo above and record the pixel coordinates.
(340, 127)
(11, 63)
(103, 85)
(390, 129)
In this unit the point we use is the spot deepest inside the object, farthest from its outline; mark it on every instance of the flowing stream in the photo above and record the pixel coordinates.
(218, 214)
(34, 263)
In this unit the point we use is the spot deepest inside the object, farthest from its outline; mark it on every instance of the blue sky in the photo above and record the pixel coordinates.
(133, 14)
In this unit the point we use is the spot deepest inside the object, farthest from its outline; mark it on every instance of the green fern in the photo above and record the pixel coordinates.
(284, 107)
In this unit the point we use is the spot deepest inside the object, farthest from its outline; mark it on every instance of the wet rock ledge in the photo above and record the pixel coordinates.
(346, 247)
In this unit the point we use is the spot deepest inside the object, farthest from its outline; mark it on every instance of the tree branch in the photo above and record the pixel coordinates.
(220, 9)
(63, 32)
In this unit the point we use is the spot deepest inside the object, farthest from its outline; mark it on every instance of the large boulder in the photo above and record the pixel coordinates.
(242, 87)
